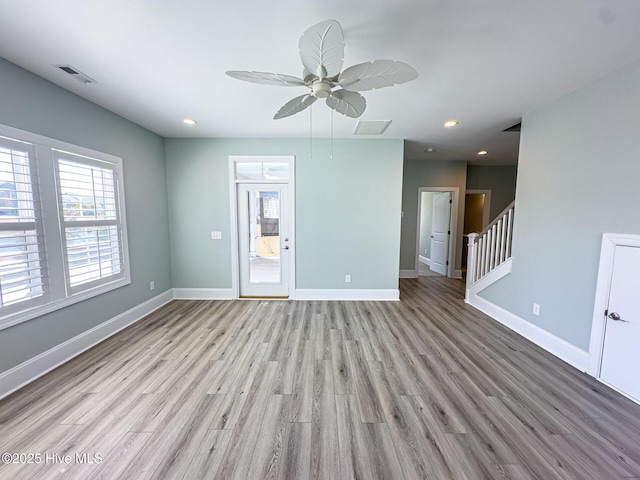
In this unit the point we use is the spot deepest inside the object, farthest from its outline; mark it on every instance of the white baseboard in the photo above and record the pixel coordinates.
(408, 274)
(560, 348)
(348, 294)
(414, 274)
(203, 294)
(28, 371)
(424, 260)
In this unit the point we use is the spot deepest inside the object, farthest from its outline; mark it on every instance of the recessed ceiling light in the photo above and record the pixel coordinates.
(450, 123)
(482, 152)
(429, 150)
(189, 121)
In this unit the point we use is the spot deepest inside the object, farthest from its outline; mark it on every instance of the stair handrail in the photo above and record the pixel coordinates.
(490, 248)
(498, 217)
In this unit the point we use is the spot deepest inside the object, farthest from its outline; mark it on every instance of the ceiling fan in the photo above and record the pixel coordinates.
(322, 53)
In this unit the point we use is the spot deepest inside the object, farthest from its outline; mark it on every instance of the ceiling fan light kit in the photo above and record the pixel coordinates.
(322, 54)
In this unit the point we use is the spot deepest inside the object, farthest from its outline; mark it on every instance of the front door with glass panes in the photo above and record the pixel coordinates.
(263, 240)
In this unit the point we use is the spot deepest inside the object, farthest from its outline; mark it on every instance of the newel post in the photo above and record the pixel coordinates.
(471, 264)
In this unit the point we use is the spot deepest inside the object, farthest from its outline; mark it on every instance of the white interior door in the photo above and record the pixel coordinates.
(263, 240)
(621, 352)
(440, 231)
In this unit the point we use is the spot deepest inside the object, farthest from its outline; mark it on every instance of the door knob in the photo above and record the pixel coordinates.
(286, 247)
(616, 316)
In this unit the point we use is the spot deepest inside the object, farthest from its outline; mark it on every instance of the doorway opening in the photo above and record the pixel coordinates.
(436, 232)
(477, 215)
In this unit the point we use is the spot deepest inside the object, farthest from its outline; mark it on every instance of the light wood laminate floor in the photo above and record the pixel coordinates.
(423, 388)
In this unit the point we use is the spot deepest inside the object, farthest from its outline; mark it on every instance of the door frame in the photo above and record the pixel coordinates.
(233, 202)
(455, 194)
(605, 271)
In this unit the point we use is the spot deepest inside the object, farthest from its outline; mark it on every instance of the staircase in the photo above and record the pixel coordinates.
(489, 254)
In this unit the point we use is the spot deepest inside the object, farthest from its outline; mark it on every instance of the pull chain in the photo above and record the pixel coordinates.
(331, 154)
(310, 131)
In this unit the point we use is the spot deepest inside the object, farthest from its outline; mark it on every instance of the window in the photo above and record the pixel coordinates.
(267, 171)
(62, 225)
(87, 191)
(21, 248)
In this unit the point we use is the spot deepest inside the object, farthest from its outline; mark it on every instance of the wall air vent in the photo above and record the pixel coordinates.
(371, 127)
(75, 73)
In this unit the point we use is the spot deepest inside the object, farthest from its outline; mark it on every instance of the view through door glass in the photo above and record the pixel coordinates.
(264, 236)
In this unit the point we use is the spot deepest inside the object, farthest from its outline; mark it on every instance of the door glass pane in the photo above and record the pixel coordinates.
(264, 237)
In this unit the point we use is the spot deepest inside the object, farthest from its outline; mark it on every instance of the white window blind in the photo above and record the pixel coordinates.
(21, 243)
(88, 194)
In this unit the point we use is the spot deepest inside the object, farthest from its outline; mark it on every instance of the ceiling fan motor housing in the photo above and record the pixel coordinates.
(321, 89)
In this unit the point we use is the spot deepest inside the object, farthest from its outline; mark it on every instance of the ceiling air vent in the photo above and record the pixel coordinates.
(371, 127)
(75, 73)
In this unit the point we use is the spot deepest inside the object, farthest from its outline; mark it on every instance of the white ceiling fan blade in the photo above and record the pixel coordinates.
(294, 106)
(322, 49)
(267, 78)
(377, 74)
(351, 104)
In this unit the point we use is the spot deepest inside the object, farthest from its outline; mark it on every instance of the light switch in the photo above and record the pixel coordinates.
(216, 235)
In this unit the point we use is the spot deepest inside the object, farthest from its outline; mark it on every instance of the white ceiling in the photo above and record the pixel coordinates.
(484, 63)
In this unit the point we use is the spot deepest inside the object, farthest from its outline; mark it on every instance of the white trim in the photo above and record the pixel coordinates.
(424, 260)
(556, 346)
(457, 274)
(453, 226)
(603, 288)
(486, 209)
(348, 294)
(35, 367)
(613, 387)
(408, 274)
(23, 316)
(496, 274)
(233, 203)
(204, 294)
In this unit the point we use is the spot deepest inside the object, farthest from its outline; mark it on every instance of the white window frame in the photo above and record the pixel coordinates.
(58, 294)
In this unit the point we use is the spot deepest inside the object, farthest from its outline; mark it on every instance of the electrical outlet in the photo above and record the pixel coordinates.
(216, 235)
(347, 278)
(152, 285)
(536, 309)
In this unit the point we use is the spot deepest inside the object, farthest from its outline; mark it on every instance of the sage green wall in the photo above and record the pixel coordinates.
(501, 180)
(428, 173)
(31, 103)
(347, 210)
(578, 177)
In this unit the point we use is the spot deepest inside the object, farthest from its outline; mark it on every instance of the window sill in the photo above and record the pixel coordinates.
(26, 315)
